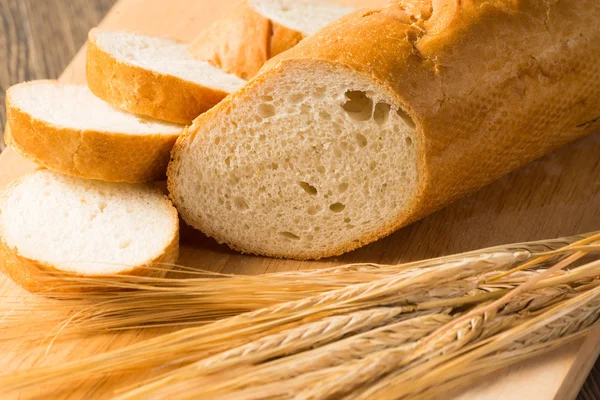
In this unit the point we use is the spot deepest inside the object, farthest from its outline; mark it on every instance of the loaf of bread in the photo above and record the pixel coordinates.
(384, 117)
(153, 76)
(53, 225)
(256, 30)
(67, 129)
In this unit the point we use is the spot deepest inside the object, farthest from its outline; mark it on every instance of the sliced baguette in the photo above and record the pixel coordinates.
(67, 129)
(153, 76)
(256, 30)
(56, 225)
(384, 117)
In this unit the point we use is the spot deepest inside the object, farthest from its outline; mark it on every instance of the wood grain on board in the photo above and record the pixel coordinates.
(556, 196)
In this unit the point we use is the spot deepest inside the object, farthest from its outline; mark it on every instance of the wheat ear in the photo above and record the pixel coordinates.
(195, 343)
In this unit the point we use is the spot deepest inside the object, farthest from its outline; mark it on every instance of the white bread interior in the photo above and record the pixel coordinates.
(74, 106)
(67, 129)
(164, 56)
(344, 166)
(306, 16)
(85, 227)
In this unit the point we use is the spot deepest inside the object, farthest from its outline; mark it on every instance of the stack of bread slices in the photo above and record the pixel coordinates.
(92, 208)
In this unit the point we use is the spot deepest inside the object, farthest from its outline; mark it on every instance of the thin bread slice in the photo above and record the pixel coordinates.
(67, 129)
(384, 117)
(153, 76)
(56, 225)
(256, 30)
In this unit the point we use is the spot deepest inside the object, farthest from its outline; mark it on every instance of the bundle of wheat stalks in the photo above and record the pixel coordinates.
(360, 331)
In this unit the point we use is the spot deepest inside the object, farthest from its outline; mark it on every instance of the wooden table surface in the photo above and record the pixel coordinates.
(38, 38)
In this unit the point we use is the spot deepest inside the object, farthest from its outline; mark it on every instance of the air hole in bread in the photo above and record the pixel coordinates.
(266, 98)
(240, 203)
(228, 162)
(347, 220)
(358, 105)
(406, 118)
(313, 210)
(274, 166)
(262, 138)
(409, 141)
(325, 116)
(289, 235)
(337, 207)
(102, 206)
(319, 93)
(361, 140)
(343, 187)
(381, 113)
(305, 109)
(217, 140)
(350, 226)
(125, 244)
(337, 151)
(266, 110)
(297, 98)
(321, 169)
(308, 188)
(372, 165)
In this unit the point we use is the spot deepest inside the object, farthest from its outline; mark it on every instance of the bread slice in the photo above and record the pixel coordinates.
(153, 76)
(256, 30)
(57, 224)
(67, 129)
(384, 117)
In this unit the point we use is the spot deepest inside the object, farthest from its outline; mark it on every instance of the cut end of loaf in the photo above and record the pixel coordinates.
(306, 16)
(55, 222)
(317, 162)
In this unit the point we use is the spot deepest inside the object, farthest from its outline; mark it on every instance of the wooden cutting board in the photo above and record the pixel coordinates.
(558, 195)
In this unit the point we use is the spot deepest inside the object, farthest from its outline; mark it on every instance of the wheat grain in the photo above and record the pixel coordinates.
(560, 323)
(192, 344)
(456, 283)
(353, 348)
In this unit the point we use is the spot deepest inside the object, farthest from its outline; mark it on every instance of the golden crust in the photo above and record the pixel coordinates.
(242, 41)
(145, 92)
(491, 85)
(38, 276)
(108, 156)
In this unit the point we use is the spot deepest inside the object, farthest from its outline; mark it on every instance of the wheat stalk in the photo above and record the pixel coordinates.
(558, 324)
(118, 302)
(297, 340)
(196, 343)
(541, 298)
(457, 284)
(342, 364)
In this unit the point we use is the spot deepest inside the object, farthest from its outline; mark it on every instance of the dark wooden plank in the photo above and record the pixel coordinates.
(591, 388)
(39, 38)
